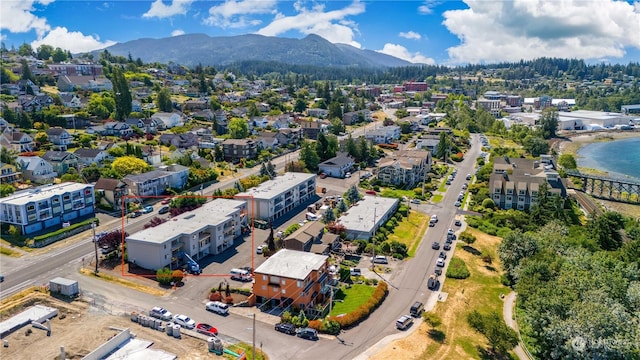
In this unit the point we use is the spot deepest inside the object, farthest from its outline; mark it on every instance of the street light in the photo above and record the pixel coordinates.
(95, 244)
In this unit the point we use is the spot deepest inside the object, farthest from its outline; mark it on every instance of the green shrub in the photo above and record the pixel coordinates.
(164, 276)
(286, 317)
(330, 327)
(364, 310)
(457, 269)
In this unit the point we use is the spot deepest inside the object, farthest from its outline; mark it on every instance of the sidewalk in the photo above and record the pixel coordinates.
(507, 313)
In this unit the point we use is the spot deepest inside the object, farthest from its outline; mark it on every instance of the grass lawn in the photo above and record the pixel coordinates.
(437, 198)
(246, 348)
(455, 339)
(352, 297)
(397, 193)
(410, 231)
(8, 252)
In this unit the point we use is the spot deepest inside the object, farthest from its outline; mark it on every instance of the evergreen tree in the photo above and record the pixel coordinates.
(309, 155)
(328, 216)
(352, 195)
(271, 244)
(121, 93)
(163, 100)
(271, 169)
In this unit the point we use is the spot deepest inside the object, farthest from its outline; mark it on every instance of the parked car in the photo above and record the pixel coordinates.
(1, 278)
(206, 329)
(437, 271)
(163, 210)
(135, 214)
(380, 259)
(217, 307)
(404, 322)
(347, 175)
(416, 309)
(434, 218)
(147, 209)
(184, 321)
(432, 282)
(447, 247)
(355, 272)
(160, 313)
(458, 222)
(442, 255)
(468, 177)
(435, 245)
(260, 249)
(457, 204)
(415, 201)
(307, 333)
(450, 231)
(371, 192)
(166, 201)
(286, 328)
(440, 262)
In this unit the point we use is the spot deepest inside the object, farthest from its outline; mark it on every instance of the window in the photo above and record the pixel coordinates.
(264, 277)
(283, 282)
(66, 197)
(30, 207)
(284, 291)
(299, 283)
(55, 200)
(264, 287)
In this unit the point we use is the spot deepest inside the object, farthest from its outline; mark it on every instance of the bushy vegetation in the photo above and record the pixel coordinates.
(457, 269)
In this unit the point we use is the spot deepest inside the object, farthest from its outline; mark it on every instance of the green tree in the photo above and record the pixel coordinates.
(335, 110)
(44, 52)
(337, 126)
(300, 105)
(567, 161)
(514, 248)
(605, 230)
(85, 140)
(444, 146)
(122, 94)
(59, 55)
(501, 337)
(328, 216)
(352, 195)
(549, 122)
(238, 128)
(164, 276)
(101, 105)
(309, 155)
(126, 165)
(26, 72)
(6, 190)
(25, 50)
(163, 100)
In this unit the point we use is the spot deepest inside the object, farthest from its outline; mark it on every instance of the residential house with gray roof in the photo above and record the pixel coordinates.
(337, 166)
(59, 137)
(36, 169)
(61, 161)
(157, 182)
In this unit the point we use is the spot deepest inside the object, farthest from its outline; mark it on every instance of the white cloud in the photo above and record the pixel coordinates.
(401, 52)
(177, 32)
(331, 25)
(160, 10)
(74, 41)
(427, 7)
(18, 17)
(236, 13)
(410, 35)
(525, 29)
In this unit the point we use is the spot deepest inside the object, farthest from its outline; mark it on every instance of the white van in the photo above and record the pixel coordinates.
(312, 217)
(239, 274)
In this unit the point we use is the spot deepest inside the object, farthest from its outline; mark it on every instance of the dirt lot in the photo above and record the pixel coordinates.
(81, 328)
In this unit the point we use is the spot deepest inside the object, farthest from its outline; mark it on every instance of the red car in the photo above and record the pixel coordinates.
(165, 201)
(206, 329)
(371, 192)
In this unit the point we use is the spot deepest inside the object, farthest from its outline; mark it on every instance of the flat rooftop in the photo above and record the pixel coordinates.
(42, 193)
(291, 264)
(212, 213)
(361, 216)
(272, 188)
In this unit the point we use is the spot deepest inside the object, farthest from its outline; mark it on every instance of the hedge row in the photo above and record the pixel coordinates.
(65, 230)
(364, 310)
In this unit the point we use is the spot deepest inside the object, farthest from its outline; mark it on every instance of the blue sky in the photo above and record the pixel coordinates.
(431, 31)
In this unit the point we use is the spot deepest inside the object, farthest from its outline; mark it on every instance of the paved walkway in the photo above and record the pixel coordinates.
(507, 313)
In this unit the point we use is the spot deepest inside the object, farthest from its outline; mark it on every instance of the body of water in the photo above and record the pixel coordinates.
(620, 158)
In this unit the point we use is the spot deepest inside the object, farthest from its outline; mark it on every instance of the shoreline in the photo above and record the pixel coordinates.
(572, 143)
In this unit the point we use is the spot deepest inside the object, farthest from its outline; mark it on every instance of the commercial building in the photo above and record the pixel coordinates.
(47, 206)
(275, 198)
(291, 277)
(515, 182)
(363, 219)
(210, 229)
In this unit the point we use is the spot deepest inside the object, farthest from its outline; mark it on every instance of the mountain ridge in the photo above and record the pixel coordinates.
(199, 48)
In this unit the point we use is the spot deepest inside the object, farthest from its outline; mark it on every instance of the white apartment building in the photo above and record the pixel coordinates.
(492, 106)
(274, 198)
(210, 229)
(47, 206)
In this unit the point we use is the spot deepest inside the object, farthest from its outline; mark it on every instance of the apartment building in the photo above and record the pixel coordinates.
(515, 182)
(156, 182)
(210, 229)
(363, 219)
(291, 277)
(492, 106)
(236, 149)
(274, 198)
(383, 135)
(47, 206)
(405, 167)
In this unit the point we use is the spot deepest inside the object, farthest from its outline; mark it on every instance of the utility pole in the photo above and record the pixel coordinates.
(373, 240)
(95, 245)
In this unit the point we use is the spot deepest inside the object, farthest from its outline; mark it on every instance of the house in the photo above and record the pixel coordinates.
(337, 166)
(303, 238)
(76, 69)
(36, 169)
(47, 206)
(91, 156)
(16, 140)
(136, 106)
(280, 121)
(150, 155)
(404, 168)
(209, 229)
(318, 113)
(292, 278)
(118, 128)
(311, 129)
(368, 215)
(61, 161)
(70, 100)
(59, 137)
(515, 182)
(267, 140)
(181, 141)
(428, 142)
(157, 182)
(274, 198)
(353, 117)
(69, 83)
(104, 145)
(9, 174)
(236, 149)
(112, 192)
(148, 126)
(167, 120)
(287, 137)
(258, 122)
(34, 103)
(198, 104)
(384, 135)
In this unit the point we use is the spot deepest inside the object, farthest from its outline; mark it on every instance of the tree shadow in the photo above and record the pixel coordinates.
(437, 335)
(472, 250)
(488, 354)
(490, 268)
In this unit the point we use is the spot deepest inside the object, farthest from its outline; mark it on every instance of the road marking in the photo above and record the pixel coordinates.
(16, 288)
